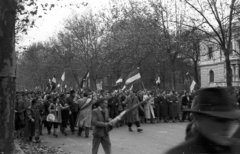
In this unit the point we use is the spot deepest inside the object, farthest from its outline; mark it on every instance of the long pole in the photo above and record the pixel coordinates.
(143, 85)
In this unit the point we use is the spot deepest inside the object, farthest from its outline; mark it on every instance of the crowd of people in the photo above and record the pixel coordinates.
(35, 110)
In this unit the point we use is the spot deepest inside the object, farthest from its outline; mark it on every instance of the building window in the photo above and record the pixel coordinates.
(211, 75)
(210, 52)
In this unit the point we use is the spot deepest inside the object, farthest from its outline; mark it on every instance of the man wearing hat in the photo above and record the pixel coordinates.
(216, 120)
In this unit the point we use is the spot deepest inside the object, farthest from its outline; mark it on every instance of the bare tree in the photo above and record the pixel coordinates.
(216, 22)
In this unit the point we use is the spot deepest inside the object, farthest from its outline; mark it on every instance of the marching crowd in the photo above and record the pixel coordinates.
(35, 110)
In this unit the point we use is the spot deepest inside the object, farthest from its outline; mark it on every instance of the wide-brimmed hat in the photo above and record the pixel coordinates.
(215, 102)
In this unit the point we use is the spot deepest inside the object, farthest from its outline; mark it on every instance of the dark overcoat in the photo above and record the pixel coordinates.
(163, 107)
(200, 145)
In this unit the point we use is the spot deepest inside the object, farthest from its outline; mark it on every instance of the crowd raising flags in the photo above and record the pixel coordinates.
(132, 79)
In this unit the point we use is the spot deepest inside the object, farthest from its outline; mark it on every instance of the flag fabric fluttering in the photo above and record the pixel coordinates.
(120, 80)
(63, 76)
(158, 80)
(133, 77)
(88, 82)
(54, 80)
(85, 79)
(124, 87)
(192, 86)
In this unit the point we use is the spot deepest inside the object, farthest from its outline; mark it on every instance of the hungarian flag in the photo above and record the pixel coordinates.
(192, 87)
(84, 82)
(133, 77)
(120, 80)
(63, 76)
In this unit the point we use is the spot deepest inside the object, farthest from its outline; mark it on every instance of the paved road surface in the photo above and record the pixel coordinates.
(155, 139)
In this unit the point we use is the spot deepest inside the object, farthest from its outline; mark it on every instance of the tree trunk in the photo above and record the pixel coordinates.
(228, 69)
(7, 74)
(196, 74)
(173, 76)
(163, 75)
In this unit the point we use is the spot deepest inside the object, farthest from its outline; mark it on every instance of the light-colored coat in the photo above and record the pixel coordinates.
(85, 114)
(148, 107)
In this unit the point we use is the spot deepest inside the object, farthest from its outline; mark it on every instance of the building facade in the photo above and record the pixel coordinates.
(212, 64)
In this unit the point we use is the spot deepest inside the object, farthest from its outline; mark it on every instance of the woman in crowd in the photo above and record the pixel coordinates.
(148, 107)
(55, 109)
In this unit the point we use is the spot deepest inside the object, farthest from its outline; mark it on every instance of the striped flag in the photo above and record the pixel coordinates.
(120, 80)
(88, 82)
(192, 86)
(84, 80)
(133, 77)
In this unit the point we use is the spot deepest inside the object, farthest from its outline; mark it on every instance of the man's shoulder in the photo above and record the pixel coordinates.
(95, 110)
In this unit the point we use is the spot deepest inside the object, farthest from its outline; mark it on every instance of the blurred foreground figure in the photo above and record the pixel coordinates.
(216, 118)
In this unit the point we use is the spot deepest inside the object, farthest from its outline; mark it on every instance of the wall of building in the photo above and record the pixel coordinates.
(216, 63)
(218, 70)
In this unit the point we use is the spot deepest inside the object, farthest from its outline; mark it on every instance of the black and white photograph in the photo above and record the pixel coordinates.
(119, 76)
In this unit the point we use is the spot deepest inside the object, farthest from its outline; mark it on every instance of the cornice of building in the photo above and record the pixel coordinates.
(217, 61)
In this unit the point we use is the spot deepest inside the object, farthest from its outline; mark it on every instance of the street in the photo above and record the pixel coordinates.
(155, 138)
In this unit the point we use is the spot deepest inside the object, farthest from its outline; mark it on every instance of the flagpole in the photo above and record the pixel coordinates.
(141, 79)
(143, 85)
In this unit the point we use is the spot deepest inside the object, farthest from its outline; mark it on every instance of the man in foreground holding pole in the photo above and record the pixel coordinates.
(103, 124)
(100, 121)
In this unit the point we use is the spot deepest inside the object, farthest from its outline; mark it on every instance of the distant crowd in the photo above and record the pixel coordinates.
(72, 110)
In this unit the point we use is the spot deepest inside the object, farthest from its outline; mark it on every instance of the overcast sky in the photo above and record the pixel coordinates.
(49, 24)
